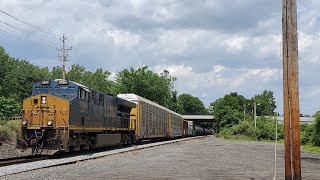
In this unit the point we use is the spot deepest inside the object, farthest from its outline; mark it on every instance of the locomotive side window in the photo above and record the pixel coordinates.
(97, 98)
(101, 99)
(92, 99)
(82, 94)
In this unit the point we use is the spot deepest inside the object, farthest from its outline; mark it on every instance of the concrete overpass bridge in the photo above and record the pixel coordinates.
(211, 118)
(199, 118)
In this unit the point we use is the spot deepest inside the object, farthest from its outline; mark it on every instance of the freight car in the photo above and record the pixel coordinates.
(153, 121)
(188, 128)
(63, 116)
(199, 131)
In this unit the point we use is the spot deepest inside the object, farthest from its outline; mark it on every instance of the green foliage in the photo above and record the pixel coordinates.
(310, 148)
(97, 80)
(306, 133)
(145, 83)
(228, 110)
(265, 130)
(243, 129)
(9, 130)
(190, 105)
(265, 103)
(18, 76)
(316, 135)
(8, 107)
(56, 73)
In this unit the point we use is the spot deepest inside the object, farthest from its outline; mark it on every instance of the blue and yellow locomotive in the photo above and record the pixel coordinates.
(63, 116)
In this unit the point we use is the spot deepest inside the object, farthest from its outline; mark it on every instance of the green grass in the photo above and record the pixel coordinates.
(246, 138)
(310, 148)
(8, 130)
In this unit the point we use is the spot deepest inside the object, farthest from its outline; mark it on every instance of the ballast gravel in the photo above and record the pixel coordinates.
(13, 169)
(206, 158)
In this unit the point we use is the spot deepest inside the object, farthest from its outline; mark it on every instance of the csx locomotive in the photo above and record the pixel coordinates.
(63, 116)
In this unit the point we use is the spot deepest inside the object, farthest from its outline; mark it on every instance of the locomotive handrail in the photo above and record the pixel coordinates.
(64, 127)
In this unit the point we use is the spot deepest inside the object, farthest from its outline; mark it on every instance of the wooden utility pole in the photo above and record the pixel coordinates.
(291, 90)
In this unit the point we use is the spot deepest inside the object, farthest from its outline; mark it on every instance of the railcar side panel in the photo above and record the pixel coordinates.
(176, 125)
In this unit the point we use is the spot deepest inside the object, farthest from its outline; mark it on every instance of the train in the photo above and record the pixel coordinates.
(62, 116)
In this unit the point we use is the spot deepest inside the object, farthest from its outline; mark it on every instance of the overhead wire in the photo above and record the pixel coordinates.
(27, 40)
(79, 59)
(45, 42)
(31, 25)
(27, 32)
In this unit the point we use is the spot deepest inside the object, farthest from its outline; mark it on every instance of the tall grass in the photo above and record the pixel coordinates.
(8, 130)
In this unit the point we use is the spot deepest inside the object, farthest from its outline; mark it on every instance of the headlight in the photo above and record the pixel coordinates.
(43, 99)
(24, 123)
(50, 123)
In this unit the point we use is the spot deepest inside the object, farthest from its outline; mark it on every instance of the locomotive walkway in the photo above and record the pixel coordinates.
(206, 158)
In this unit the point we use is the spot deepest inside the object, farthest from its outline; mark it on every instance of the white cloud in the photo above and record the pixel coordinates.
(123, 38)
(235, 43)
(211, 50)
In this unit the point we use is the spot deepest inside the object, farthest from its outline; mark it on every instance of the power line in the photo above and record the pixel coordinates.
(25, 31)
(27, 40)
(55, 34)
(83, 62)
(31, 25)
(79, 59)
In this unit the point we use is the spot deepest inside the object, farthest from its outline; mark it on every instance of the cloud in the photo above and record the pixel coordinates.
(212, 46)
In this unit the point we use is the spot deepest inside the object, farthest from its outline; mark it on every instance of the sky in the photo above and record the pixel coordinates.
(213, 47)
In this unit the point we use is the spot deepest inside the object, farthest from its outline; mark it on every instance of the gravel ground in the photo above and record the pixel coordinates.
(209, 158)
(8, 150)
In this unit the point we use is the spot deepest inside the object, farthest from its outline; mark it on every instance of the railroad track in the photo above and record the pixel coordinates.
(21, 160)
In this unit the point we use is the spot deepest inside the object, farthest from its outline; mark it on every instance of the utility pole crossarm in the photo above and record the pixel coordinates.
(63, 56)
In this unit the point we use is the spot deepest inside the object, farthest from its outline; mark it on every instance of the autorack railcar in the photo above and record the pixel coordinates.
(153, 121)
(61, 116)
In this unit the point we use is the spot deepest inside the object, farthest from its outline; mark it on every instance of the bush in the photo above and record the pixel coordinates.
(265, 130)
(9, 130)
(306, 133)
(244, 128)
(8, 107)
(316, 134)
(14, 125)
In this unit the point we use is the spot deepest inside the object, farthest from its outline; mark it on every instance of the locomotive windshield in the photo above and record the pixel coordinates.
(59, 88)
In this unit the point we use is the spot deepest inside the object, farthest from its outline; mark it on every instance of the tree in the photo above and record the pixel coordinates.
(8, 107)
(18, 76)
(316, 134)
(173, 103)
(56, 73)
(145, 83)
(76, 73)
(265, 103)
(228, 110)
(191, 105)
(99, 81)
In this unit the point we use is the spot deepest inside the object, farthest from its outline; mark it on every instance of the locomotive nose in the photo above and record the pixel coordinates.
(39, 111)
